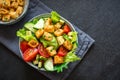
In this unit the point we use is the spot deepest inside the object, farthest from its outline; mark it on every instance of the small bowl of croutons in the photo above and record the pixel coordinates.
(48, 42)
(12, 11)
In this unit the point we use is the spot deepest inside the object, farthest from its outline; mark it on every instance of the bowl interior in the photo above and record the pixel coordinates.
(12, 21)
(45, 15)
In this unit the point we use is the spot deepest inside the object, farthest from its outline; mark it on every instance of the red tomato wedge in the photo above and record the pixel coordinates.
(30, 54)
(62, 51)
(43, 52)
(66, 29)
(24, 46)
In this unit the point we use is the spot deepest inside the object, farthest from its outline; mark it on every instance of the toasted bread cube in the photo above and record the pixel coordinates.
(47, 36)
(39, 33)
(33, 43)
(58, 59)
(48, 22)
(58, 26)
(6, 17)
(60, 40)
(14, 5)
(13, 14)
(19, 10)
(49, 28)
(68, 45)
(58, 32)
(51, 51)
(3, 11)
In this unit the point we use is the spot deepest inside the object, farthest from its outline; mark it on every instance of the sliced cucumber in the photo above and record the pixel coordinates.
(39, 24)
(48, 65)
(30, 27)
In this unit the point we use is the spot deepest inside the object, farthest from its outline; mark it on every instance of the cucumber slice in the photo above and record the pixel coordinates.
(30, 27)
(48, 65)
(39, 24)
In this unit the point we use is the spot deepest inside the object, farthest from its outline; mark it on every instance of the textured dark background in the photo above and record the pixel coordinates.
(98, 18)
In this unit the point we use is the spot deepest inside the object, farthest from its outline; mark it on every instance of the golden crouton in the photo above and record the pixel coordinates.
(39, 33)
(58, 59)
(68, 45)
(58, 32)
(14, 4)
(60, 40)
(13, 14)
(58, 26)
(3, 11)
(49, 28)
(33, 43)
(19, 10)
(48, 22)
(6, 17)
(51, 51)
(48, 36)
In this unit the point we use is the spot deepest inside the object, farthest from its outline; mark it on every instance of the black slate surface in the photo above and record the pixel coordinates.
(100, 19)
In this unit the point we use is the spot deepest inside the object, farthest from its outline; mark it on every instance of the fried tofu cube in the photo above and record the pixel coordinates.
(68, 45)
(60, 40)
(58, 32)
(58, 59)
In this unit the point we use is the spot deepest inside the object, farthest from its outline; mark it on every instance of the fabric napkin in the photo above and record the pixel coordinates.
(9, 39)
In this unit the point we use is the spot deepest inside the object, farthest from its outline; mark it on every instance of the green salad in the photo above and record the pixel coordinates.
(48, 42)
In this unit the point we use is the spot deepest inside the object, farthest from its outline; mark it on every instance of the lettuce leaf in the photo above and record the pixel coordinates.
(71, 57)
(55, 17)
(60, 67)
(73, 36)
(24, 34)
(65, 36)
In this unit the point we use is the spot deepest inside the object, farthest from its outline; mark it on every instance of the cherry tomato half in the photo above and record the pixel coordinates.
(62, 51)
(43, 52)
(24, 46)
(30, 54)
(66, 29)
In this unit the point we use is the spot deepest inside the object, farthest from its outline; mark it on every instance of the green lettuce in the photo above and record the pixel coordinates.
(66, 37)
(73, 36)
(55, 17)
(71, 57)
(26, 35)
(60, 67)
